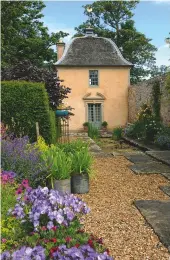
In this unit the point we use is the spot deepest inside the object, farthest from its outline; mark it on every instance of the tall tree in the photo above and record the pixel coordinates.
(113, 19)
(25, 70)
(23, 35)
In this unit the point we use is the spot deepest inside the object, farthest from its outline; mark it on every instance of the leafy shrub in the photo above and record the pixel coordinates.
(117, 133)
(104, 124)
(162, 139)
(20, 156)
(145, 113)
(41, 145)
(145, 127)
(86, 124)
(24, 104)
(25, 70)
(151, 130)
(93, 131)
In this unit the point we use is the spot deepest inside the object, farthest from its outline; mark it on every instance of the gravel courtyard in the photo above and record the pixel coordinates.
(113, 215)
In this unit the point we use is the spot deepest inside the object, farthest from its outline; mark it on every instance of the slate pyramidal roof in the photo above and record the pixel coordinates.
(91, 50)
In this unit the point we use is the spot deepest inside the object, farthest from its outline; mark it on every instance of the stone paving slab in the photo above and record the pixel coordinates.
(166, 190)
(139, 158)
(163, 156)
(157, 214)
(150, 168)
(102, 154)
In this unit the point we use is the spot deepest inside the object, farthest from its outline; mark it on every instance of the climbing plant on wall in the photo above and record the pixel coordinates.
(156, 99)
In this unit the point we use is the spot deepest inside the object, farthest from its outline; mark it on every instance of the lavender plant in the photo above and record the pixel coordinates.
(24, 159)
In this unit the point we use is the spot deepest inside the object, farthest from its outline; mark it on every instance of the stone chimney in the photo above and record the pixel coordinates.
(89, 31)
(60, 49)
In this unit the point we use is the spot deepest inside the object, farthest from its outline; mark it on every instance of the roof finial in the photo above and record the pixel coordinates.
(89, 30)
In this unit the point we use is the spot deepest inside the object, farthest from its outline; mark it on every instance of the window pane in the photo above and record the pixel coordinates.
(93, 77)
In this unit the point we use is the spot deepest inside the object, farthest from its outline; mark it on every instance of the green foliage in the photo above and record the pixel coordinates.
(156, 96)
(81, 161)
(117, 133)
(24, 104)
(10, 226)
(24, 35)
(113, 19)
(73, 146)
(58, 163)
(158, 71)
(93, 131)
(145, 127)
(167, 82)
(86, 124)
(53, 126)
(104, 124)
(162, 139)
(8, 198)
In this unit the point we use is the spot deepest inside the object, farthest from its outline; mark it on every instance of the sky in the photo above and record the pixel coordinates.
(151, 18)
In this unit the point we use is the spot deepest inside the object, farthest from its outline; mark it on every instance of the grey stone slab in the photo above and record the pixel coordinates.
(139, 158)
(95, 148)
(157, 214)
(152, 167)
(166, 175)
(102, 154)
(163, 156)
(165, 189)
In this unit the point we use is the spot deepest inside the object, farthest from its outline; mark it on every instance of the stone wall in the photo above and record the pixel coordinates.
(142, 93)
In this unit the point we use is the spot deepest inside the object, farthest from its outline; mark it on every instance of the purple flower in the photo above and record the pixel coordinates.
(55, 207)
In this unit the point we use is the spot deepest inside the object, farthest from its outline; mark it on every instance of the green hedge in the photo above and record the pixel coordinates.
(24, 104)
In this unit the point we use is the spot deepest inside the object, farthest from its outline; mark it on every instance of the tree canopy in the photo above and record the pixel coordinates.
(23, 34)
(25, 70)
(113, 19)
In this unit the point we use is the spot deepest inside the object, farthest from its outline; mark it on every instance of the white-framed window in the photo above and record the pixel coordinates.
(93, 78)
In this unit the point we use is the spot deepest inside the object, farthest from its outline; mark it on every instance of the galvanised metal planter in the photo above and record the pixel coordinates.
(80, 183)
(63, 185)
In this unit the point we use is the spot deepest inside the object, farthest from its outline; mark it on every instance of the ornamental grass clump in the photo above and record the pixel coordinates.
(117, 133)
(82, 161)
(73, 146)
(93, 131)
(58, 164)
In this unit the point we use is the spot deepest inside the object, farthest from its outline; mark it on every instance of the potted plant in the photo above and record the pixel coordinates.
(104, 126)
(81, 168)
(86, 124)
(59, 165)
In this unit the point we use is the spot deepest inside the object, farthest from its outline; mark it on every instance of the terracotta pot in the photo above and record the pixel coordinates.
(86, 128)
(104, 128)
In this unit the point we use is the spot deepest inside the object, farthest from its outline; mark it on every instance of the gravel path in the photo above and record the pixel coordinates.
(113, 215)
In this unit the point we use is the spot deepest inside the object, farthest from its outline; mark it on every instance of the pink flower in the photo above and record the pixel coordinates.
(25, 183)
(68, 239)
(19, 191)
(4, 240)
(54, 228)
(43, 228)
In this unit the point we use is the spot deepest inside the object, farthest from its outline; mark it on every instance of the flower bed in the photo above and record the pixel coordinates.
(39, 222)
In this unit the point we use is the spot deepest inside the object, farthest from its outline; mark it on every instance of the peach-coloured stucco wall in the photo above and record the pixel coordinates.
(113, 84)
